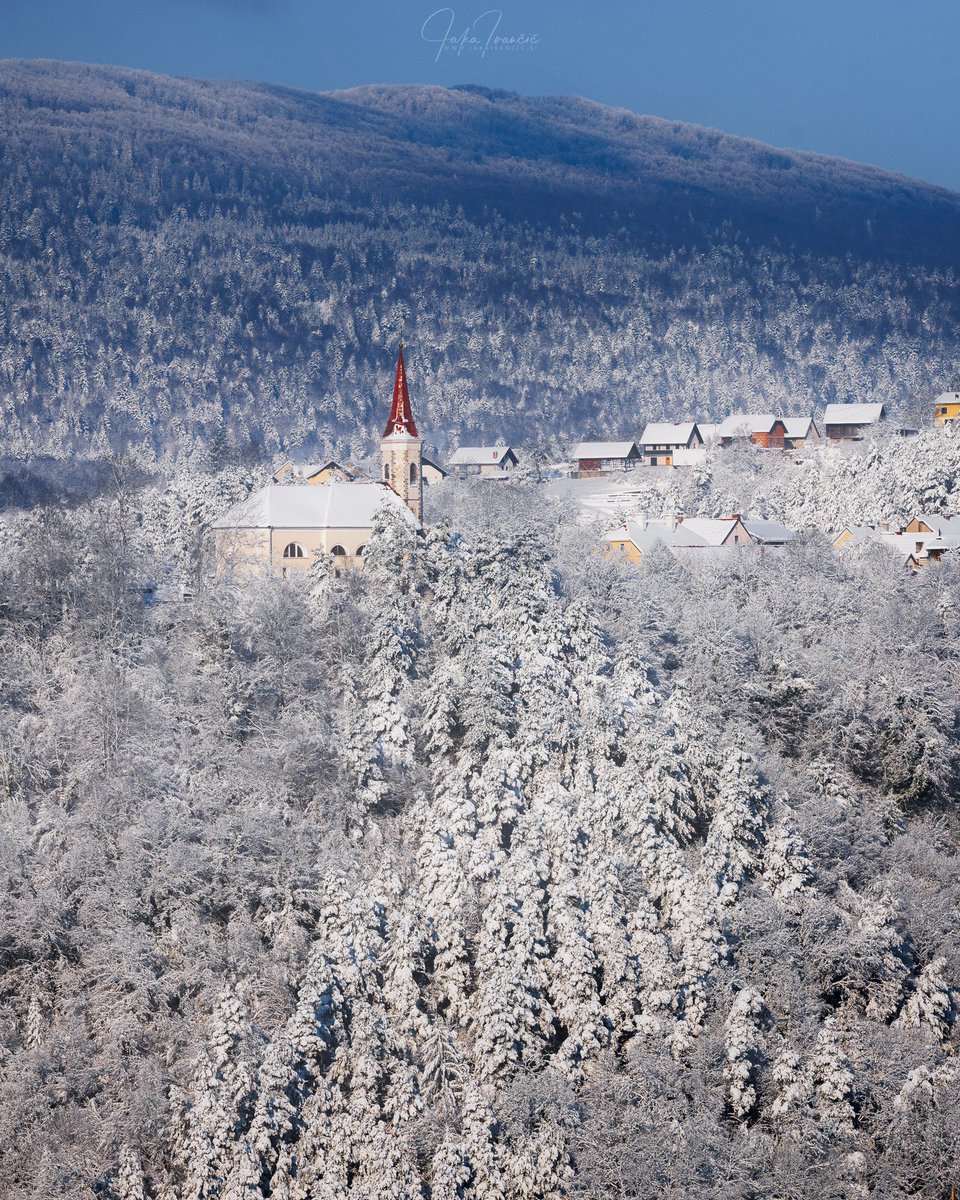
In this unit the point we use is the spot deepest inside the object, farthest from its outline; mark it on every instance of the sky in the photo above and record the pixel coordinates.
(871, 80)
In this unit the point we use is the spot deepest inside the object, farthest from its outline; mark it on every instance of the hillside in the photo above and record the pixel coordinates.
(497, 871)
(183, 259)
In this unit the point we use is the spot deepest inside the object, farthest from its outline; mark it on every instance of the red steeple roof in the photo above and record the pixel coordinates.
(401, 414)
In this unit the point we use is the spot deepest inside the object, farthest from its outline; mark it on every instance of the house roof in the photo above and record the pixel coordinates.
(694, 532)
(798, 427)
(939, 524)
(604, 449)
(333, 505)
(429, 462)
(770, 533)
(713, 530)
(747, 424)
(852, 414)
(472, 456)
(667, 433)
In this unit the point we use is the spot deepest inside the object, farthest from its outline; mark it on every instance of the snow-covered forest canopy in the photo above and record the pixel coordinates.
(495, 870)
(182, 261)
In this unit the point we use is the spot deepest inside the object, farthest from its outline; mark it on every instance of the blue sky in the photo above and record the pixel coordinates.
(872, 80)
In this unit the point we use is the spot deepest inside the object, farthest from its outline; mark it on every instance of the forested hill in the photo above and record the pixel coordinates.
(184, 260)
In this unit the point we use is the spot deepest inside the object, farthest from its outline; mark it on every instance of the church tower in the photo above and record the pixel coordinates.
(401, 447)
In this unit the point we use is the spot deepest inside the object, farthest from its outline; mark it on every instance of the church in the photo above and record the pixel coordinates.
(281, 527)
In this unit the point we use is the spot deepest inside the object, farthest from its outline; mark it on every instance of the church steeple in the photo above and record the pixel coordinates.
(401, 447)
(401, 414)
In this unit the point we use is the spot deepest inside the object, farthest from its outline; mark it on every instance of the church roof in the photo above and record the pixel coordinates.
(334, 505)
(401, 414)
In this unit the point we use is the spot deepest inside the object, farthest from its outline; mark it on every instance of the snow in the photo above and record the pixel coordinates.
(333, 505)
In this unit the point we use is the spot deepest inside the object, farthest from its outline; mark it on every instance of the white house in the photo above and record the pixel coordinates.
(493, 462)
(660, 440)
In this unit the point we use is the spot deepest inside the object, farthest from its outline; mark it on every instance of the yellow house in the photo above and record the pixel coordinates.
(946, 408)
(281, 528)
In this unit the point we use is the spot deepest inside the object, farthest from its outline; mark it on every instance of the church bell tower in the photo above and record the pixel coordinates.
(401, 447)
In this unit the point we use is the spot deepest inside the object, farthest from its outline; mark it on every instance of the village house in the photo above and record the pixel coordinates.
(946, 408)
(921, 541)
(432, 472)
(637, 537)
(709, 432)
(603, 458)
(762, 429)
(768, 533)
(490, 462)
(292, 472)
(282, 527)
(662, 439)
(800, 432)
(849, 422)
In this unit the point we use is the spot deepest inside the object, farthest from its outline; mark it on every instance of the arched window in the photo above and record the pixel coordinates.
(361, 551)
(413, 472)
(293, 550)
(386, 471)
(338, 551)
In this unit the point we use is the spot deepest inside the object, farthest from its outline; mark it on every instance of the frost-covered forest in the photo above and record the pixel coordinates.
(497, 870)
(185, 260)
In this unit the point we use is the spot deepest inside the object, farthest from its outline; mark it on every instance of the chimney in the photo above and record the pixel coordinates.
(680, 516)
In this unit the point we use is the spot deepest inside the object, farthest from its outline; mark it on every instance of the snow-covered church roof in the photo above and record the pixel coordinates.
(334, 505)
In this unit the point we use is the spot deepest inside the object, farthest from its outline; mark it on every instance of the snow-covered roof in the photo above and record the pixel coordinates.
(429, 462)
(709, 431)
(747, 424)
(308, 470)
(473, 456)
(939, 524)
(667, 433)
(713, 530)
(852, 414)
(768, 533)
(798, 427)
(948, 398)
(334, 505)
(688, 534)
(604, 449)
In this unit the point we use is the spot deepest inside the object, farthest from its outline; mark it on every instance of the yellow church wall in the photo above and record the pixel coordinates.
(247, 552)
